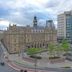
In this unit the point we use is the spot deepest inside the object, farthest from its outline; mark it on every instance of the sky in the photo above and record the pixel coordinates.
(21, 12)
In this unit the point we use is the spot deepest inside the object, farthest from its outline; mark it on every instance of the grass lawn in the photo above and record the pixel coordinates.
(32, 51)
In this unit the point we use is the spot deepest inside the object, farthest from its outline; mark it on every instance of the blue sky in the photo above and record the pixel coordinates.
(21, 12)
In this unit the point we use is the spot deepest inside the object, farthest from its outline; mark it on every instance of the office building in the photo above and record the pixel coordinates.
(65, 26)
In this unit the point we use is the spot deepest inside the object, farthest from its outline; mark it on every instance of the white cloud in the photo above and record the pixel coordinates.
(4, 22)
(22, 11)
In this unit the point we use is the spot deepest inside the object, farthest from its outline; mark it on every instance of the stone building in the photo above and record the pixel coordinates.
(18, 38)
(1, 34)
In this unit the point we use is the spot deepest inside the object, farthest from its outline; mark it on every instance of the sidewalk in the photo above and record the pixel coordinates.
(42, 63)
(4, 49)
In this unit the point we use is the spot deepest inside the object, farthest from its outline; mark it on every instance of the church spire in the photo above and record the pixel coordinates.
(35, 21)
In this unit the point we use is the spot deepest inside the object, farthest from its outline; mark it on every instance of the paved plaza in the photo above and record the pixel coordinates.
(19, 61)
(40, 63)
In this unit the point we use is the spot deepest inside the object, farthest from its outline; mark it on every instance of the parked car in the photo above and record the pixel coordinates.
(2, 63)
(66, 67)
(6, 57)
(23, 70)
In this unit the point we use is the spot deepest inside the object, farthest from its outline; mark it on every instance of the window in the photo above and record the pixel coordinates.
(43, 44)
(32, 46)
(14, 49)
(14, 40)
(40, 45)
(35, 45)
(28, 46)
(47, 45)
(28, 40)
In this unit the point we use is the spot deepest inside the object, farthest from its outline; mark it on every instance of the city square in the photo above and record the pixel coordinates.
(35, 36)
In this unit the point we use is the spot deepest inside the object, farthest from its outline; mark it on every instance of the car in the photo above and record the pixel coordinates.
(2, 63)
(23, 70)
(66, 67)
(6, 57)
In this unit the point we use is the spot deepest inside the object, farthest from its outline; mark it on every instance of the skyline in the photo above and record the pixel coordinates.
(22, 12)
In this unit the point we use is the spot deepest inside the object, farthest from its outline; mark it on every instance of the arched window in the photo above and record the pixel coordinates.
(43, 44)
(47, 45)
(28, 46)
(35, 45)
(32, 46)
(40, 45)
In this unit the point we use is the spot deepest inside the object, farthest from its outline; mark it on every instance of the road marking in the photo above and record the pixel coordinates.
(14, 67)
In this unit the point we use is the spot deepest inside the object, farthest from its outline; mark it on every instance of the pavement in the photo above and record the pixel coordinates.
(22, 63)
(16, 63)
(10, 66)
(6, 67)
(26, 61)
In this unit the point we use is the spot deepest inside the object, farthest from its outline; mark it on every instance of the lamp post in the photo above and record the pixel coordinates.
(35, 64)
(19, 53)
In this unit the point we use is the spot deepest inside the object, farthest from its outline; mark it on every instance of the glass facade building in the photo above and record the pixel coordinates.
(69, 27)
(65, 26)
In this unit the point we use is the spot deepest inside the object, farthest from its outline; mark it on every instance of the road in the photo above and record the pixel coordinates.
(48, 69)
(4, 68)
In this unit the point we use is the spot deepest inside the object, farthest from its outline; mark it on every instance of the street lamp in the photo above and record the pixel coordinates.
(35, 64)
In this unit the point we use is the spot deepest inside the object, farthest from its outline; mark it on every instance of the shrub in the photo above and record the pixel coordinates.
(37, 57)
(54, 57)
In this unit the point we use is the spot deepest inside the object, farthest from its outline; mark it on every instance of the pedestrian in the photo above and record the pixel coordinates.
(21, 70)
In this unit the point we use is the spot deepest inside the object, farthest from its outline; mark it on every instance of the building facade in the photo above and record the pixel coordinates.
(1, 34)
(65, 26)
(18, 38)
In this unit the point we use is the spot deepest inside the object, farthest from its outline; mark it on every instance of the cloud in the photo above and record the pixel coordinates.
(52, 3)
(22, 11)
(3, 24)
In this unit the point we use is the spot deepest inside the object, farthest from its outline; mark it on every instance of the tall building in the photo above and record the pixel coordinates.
(50, 24)
(17, 38)
(65, 26)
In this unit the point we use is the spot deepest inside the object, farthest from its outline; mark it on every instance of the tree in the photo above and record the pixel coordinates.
(51, 49)
(55, 49)
(59, 49)
(65, 45)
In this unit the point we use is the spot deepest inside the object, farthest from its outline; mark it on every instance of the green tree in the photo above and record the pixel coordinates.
(55, 50)
(65, 45)
(51, 49)
(59, 49)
